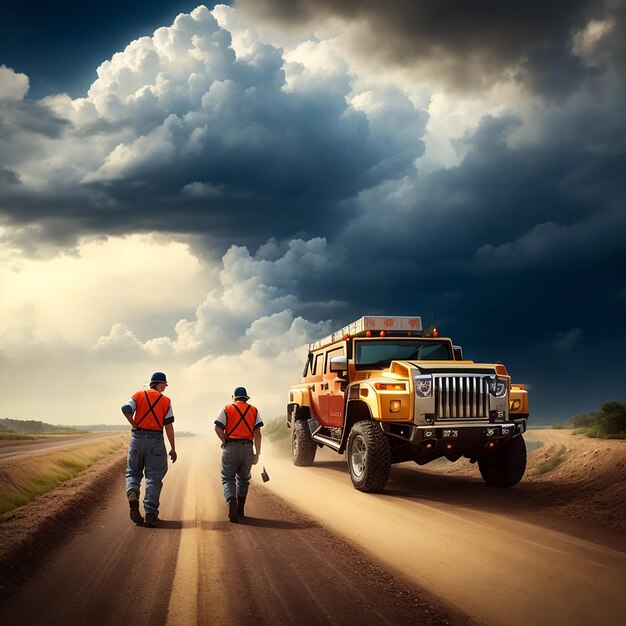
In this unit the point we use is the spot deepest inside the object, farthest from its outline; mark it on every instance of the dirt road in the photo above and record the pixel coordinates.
(279, 567)
(486, 554)
(491, 553)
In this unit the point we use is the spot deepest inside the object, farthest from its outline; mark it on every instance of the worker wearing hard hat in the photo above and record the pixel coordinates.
(238, 427)
(149, 412)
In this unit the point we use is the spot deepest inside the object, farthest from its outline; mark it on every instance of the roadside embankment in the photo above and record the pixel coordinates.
(23, 479)
(30, 531)
(572, 475)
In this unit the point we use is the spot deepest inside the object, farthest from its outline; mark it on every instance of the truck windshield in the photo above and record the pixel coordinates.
(379, 353)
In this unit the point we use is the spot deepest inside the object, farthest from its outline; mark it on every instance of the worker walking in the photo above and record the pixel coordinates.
(239, 427)
(148, 412)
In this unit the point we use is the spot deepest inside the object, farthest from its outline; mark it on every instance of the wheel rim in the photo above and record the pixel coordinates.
(357, 456)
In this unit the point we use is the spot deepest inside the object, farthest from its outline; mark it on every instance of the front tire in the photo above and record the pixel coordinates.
(506, 466)
(303, 447)
(369, 457)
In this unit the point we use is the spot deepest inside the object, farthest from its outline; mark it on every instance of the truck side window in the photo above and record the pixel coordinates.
(329, 355)
(317, 366)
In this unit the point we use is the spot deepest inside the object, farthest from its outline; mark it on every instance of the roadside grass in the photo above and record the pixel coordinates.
(7, 436)
(25, 480)
(553, 462)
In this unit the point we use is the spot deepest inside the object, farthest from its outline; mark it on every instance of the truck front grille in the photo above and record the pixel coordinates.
(461, 397)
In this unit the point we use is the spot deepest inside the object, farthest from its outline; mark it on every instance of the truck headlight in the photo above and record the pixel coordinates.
(424, 386)
(497, 387)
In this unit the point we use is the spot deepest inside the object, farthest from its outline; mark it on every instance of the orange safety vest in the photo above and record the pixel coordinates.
(240, 418)
(152, 407)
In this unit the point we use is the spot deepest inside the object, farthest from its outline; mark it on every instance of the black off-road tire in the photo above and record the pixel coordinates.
(369, 456)
(303, 447)
(506, 466)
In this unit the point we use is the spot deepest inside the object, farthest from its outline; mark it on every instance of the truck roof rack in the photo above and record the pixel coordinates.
(391, 324)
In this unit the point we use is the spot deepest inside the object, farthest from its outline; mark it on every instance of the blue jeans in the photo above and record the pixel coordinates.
(147, 452)
(237, 457)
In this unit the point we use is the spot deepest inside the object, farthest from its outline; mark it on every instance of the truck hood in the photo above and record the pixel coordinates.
(448, 367)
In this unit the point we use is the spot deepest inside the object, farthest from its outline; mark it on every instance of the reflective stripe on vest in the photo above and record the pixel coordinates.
(240, 418)
(152, 407)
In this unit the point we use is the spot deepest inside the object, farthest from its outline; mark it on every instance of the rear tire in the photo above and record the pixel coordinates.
(369, 457)
(506, 466)
(303, 447)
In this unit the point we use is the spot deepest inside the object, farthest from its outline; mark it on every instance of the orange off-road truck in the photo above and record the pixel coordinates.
(386, 391)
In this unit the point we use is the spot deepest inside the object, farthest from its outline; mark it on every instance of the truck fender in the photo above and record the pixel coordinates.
(356, 411)
(297, 412)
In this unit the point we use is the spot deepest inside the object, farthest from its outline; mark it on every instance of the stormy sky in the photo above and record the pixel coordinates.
(204, 189)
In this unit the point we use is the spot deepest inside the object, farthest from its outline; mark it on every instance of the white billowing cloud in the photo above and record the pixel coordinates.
(246, 332)
(141, 279)
(273, 362)
(13, 85)
(236, 313)
(315, 63)
(166, 73)
(208, 113)
(96, 324)
(157, 147)
(118, 341)
(587, 43)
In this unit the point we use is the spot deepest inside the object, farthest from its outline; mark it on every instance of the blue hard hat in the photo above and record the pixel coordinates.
(240, 392)
(158, 377)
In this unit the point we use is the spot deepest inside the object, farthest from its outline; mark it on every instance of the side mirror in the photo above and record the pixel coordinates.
(458, 353)
(338, 364)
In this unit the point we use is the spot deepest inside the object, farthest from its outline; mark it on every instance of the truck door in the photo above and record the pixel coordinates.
(316, 386)
(332, 403)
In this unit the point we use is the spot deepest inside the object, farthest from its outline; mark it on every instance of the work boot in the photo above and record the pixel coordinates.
(133, 503)
(152, 520)
(232, 510)
(241, 502)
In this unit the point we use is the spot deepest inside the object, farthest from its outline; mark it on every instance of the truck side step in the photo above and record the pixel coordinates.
(327, 441)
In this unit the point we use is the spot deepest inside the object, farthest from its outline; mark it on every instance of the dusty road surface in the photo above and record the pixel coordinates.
(459, 553)
(495, 554)
(280, 567)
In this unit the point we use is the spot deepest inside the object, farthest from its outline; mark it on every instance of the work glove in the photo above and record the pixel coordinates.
(173, 456)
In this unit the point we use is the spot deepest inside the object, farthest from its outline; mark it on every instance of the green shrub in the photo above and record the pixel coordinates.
(607, 423)
(585, 420)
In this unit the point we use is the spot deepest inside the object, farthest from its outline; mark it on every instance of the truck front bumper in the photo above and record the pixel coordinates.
(454, 438)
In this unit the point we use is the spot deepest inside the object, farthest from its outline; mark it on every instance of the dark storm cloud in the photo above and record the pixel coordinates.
(178, 135)
(517, 252)
(25, 117)
(8, 177)
(470, 45)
